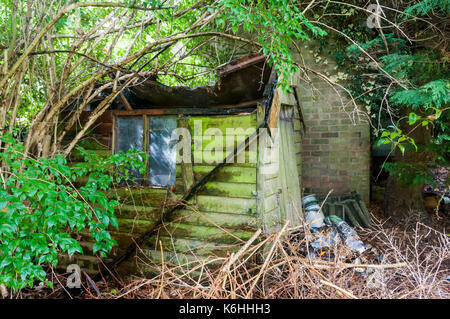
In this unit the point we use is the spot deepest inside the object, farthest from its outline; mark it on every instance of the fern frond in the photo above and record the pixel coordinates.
(434, 93)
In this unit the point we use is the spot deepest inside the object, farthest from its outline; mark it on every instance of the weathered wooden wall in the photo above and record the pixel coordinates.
(279, 189)
(222, 215)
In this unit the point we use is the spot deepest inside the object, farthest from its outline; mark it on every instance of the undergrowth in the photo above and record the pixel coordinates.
(398, 263)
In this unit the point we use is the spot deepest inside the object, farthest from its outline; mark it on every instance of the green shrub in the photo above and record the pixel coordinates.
(40, 208)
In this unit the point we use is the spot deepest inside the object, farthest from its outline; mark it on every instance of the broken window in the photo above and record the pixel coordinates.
(130, 130)
(158, 144)
(162, 161)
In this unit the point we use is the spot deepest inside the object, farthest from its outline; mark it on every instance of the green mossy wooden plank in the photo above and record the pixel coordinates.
(223, 122)
(205, 233)
(242, 190)
(230, 174)
(244, 159)
(212, 219)
(148, 265)
(143, 196)
(135, 226)
(226, 204)
(189, 246)
(223, 141)
(137, 212)
(188, 216)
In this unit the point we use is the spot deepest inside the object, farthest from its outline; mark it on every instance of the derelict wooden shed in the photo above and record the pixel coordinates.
(225, 196)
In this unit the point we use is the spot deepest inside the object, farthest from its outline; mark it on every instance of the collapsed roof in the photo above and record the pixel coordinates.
(242, 80)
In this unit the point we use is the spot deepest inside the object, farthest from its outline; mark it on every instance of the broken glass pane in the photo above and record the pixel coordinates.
(162, 162)
(130, 133)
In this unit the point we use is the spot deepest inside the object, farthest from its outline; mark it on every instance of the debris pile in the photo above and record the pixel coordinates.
(337, 231)
(350, 208)
(328, 232)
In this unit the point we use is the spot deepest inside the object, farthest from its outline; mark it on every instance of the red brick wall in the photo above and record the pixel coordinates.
(335, 149)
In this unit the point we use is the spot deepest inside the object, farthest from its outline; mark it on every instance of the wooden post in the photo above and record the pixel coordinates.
(186, 168)
(125, 101)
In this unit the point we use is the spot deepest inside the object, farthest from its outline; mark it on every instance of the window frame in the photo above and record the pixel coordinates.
(146, 129)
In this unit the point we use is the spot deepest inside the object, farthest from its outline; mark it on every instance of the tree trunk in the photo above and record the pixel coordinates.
(405, 200)
(402, 201)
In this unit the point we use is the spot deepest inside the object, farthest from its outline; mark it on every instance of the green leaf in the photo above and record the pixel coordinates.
(382, 141)
(5, 262)
(413, 143)
(3, 203)
(413, 117)
(394, 135)
(402, 148)
(97, 247)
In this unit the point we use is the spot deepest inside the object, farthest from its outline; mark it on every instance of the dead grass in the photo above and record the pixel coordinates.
(398, 264)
